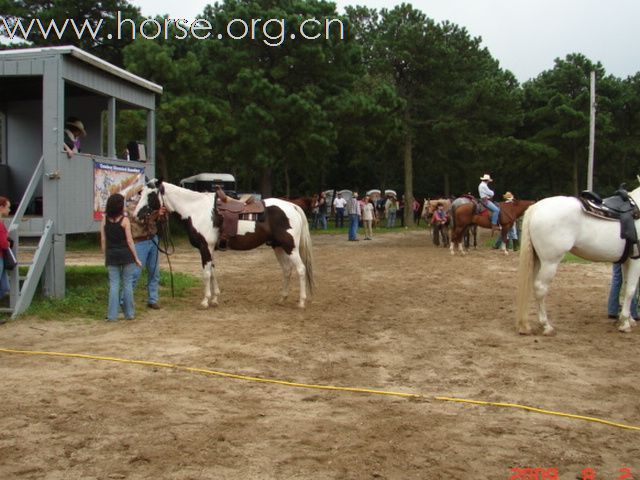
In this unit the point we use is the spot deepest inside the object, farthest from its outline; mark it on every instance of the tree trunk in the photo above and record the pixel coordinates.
(447, 185)
(265, 183)
(162, 166)
(576, 185)
(287, 182)
(408, 171)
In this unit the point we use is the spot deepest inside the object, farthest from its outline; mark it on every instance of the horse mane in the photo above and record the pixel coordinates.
(190, 198)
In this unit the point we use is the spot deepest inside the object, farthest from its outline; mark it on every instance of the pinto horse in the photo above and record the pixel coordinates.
(283, 226)
(555, 226)
(463, 216)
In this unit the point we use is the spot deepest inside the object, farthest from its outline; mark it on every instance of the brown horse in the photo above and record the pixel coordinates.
(463, 216)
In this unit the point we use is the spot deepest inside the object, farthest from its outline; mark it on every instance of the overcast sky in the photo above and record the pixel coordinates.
(524, 35)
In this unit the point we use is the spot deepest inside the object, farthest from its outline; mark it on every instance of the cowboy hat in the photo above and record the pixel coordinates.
(508, 196)
(486, 178)
(76, 123)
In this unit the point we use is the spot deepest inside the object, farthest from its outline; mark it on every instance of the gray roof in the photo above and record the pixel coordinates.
(85, 57)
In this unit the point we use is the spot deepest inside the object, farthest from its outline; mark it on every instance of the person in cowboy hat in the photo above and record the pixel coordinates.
(74, 130)
(486, 196)
(512, 235)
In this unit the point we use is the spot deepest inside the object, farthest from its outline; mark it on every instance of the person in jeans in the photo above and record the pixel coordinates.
(613, 305)
(145, 237)
(486, 197)
(339, 204)
(120, 257)
(354, 212)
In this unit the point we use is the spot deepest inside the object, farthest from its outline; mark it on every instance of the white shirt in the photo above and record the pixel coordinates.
(484, 191)
(367, 211)
(339, 202)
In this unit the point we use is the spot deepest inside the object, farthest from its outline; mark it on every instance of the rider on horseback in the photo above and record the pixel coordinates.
(486, 195)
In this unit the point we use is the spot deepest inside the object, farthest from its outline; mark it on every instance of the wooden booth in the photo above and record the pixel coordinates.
(52, 194)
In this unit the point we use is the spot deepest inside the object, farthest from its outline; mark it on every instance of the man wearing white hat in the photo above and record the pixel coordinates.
(486, 195)
(73, 131)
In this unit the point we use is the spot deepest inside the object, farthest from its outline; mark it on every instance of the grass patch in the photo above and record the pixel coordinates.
(87, 292)
(571, 258)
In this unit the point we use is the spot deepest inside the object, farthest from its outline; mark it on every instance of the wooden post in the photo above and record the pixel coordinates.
(111, 128)
(592, 131)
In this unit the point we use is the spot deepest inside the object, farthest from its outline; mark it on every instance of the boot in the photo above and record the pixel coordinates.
(516, 245)
(510, 244)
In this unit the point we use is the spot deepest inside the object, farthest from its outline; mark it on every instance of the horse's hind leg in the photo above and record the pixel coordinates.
(543, 276)
(302, 274)
(630, 271)
(285, 264)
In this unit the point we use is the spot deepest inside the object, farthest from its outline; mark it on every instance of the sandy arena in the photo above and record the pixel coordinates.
(394, 314)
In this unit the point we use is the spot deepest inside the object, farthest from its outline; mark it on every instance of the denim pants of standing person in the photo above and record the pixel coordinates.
(339, 217)
(147, 251)
(354, 220)
(613, 305)
(391, 218)
(495, 211)
(124, 273)
(4, 279)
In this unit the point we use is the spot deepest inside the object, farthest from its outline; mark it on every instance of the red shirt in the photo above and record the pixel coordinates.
(4, 237)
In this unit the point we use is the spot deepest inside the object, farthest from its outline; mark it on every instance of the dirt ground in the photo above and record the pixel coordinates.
(394, 314)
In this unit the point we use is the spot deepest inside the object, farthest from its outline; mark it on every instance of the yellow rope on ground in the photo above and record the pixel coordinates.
(318, 387)
(539, 410)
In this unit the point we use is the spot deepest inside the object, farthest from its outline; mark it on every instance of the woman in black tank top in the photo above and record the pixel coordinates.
(120, 257)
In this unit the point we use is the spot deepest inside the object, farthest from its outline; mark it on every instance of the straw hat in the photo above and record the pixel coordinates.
(508, 196)
(76, 123)
(486, 178)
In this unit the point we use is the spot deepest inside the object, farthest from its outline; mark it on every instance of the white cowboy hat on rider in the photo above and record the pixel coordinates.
(486, 178)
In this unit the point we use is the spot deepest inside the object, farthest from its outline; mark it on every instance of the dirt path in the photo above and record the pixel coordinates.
(394, 314)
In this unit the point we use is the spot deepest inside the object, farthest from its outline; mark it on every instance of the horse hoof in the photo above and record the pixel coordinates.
(301, 305)
(213, 303)
(625, 327)
(549, 332)
(204, 304)
(524, 331)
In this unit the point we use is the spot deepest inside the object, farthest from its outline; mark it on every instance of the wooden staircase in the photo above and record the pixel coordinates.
(32, 244)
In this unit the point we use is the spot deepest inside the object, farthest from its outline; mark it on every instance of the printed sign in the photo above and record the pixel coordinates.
(109, 179)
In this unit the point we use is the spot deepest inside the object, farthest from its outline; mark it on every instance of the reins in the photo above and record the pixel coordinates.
(169, 247)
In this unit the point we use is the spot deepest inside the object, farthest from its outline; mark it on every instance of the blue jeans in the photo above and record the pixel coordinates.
(319, 218)
(354, 220)
(4, 279)
(115, 273)
(613, 305)
(147, 251)
(495, 211)
(339, 217)
(391, 218)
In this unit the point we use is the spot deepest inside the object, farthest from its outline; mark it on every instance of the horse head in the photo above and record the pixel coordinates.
(150, 199)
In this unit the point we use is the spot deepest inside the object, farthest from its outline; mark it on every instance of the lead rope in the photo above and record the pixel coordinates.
(169, 247)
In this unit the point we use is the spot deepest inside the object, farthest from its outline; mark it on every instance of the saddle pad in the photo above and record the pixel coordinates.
(246, 226)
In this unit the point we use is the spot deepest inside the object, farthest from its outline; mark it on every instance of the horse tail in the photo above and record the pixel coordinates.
(306, 252)
(526, 272)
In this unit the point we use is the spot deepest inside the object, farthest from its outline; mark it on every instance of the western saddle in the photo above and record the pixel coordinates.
(618, 207)
(232, 210)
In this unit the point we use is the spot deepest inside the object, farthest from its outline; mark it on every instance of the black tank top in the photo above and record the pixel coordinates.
(117, 251)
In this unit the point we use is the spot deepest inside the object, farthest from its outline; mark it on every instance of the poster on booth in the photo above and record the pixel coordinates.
(109, 179)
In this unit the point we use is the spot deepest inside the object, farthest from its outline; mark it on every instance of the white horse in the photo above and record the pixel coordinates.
(283, 226)
(553, 227)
